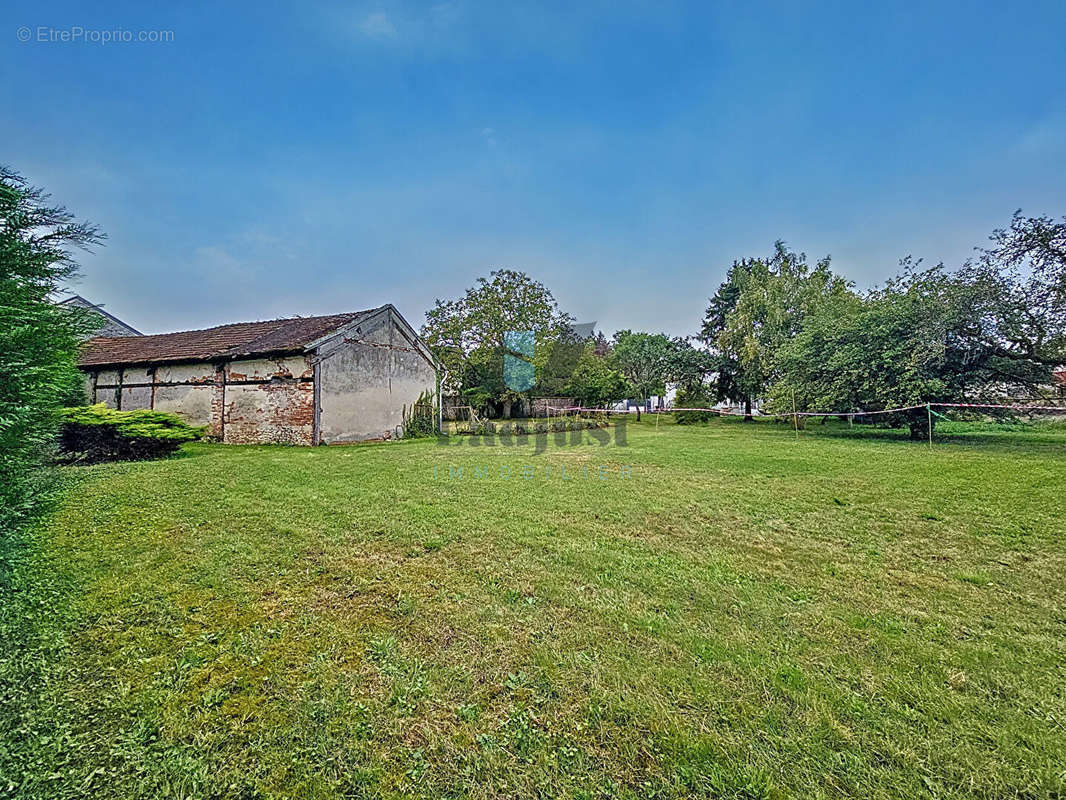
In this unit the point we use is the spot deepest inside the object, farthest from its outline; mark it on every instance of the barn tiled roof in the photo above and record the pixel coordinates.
(225, 341)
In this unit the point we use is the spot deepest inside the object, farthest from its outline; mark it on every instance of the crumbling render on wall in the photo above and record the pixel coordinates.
(311, 380)
(265, 400)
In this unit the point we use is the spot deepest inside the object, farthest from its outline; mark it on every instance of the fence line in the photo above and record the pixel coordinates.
(788, 415)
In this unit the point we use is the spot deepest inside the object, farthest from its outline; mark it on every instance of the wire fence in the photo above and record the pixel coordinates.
(931, 410)
(727, 412)
(868, 413)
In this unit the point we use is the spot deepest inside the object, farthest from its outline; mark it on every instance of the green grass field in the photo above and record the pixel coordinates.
(713, 611)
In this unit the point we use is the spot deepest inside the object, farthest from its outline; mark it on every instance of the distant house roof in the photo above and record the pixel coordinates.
(290, 335)
(110, 324)
(584, 330)
(1060, 375)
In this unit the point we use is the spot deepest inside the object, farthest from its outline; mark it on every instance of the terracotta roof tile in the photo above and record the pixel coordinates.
(225, 341)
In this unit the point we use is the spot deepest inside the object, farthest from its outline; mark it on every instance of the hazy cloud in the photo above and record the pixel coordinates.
(377, 25)
(1045, 137)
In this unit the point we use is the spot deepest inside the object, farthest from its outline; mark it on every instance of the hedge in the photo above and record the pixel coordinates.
(532, 427)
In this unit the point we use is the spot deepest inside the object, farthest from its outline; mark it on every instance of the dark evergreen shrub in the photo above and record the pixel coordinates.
(91, 434)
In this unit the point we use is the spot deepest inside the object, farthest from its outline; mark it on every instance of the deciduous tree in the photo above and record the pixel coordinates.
(759, 308)
(644, 360)
(474, 336)
(992, 328)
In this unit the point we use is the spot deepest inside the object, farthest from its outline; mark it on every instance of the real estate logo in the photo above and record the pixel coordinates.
(519, 373)
(519, 369)
(567, 426)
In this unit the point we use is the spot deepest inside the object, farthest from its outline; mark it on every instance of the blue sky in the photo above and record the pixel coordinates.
(278, 159)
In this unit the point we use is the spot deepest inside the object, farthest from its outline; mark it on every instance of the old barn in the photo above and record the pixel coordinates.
(304, 380)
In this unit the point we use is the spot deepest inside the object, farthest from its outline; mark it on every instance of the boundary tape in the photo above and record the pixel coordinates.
(725, 413)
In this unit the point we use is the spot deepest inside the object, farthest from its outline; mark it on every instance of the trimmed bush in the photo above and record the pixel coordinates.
(91, 434)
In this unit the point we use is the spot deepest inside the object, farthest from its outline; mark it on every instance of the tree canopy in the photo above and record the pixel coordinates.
(760, 307)
(594, 381)
(992, 328)
(644, 360)
(783, 330)
(488, 338)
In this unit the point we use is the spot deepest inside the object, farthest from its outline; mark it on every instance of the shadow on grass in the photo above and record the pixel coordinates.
(192, 450)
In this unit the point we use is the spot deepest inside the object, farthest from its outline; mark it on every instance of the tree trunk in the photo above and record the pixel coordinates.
(747, 409)
(919, 425)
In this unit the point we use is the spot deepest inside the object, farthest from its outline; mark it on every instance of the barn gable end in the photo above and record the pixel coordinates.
(369, 373)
